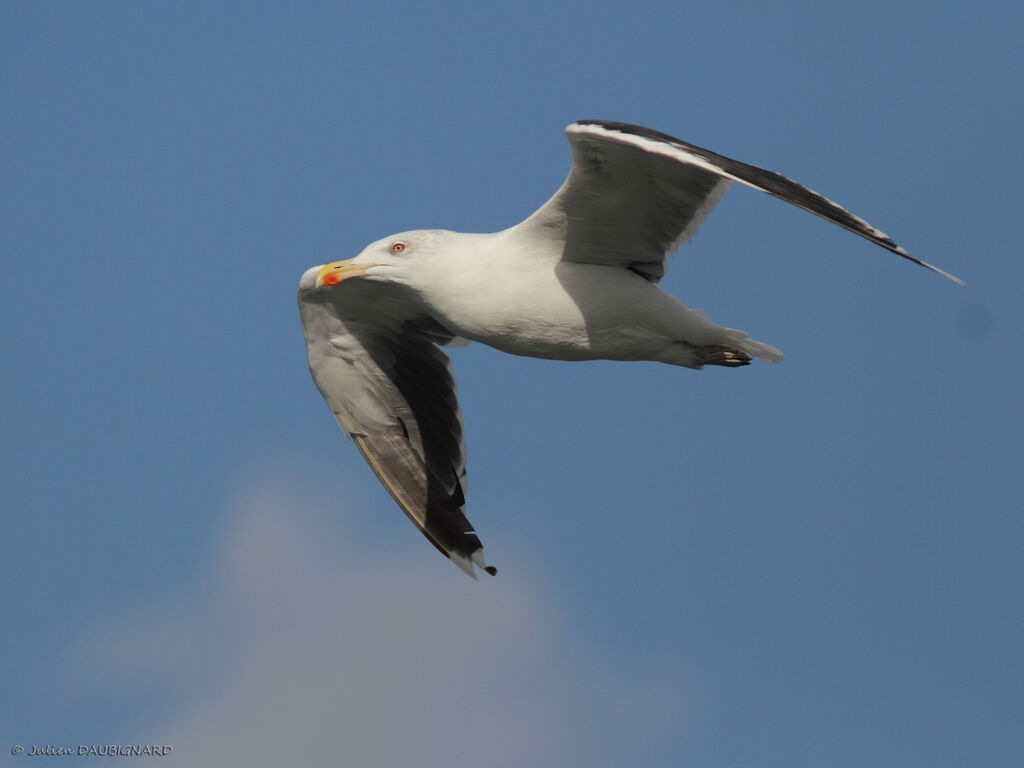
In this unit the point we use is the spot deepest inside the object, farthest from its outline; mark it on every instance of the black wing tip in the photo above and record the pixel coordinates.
(887, 243)
(902, 252)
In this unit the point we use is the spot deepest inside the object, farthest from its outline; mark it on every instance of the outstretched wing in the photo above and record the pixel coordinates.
(391, 389)
(634, 195)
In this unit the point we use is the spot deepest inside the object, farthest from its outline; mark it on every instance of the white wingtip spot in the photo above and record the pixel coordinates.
(464, 563)
(478, 558)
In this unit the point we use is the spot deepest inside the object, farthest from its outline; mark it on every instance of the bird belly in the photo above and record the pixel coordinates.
(570, 311)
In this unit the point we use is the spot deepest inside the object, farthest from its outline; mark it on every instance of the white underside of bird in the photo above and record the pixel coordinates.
(518, 296)
(578, 280)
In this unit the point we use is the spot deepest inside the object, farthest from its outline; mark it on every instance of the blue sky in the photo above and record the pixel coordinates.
(814, 563)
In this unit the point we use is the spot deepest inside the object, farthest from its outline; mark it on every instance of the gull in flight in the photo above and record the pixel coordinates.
(577, 280)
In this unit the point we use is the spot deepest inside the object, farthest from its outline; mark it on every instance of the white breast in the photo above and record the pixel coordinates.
(529, 302)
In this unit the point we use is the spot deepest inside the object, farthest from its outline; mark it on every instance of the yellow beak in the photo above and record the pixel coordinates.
(336, 271)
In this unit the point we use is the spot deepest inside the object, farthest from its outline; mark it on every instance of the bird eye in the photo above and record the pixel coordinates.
(397, 247)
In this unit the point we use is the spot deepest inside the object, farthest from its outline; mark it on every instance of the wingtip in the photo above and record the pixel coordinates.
(465, 564)
(478, 558)
(900, 251)
(954, 278)
(942, 272)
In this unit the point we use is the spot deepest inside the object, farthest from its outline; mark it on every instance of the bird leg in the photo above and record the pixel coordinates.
(720, 354)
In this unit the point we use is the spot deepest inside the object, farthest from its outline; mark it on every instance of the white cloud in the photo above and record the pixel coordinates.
(302, 647)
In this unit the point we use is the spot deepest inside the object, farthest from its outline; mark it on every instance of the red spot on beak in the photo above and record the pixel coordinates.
(331, 278)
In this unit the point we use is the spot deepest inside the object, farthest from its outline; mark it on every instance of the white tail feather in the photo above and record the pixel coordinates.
(766, 352)
(741, 340)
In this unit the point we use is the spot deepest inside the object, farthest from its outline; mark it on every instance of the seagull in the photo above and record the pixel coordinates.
(577, 280)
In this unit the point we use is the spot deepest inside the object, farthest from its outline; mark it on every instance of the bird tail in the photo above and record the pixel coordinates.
(741, 340)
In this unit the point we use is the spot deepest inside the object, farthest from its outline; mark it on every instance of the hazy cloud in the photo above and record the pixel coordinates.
(299, 647)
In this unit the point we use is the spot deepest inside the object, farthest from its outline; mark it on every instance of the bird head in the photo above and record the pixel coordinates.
(393, 259)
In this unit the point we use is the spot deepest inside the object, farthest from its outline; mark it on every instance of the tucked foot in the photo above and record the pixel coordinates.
(720, 354)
